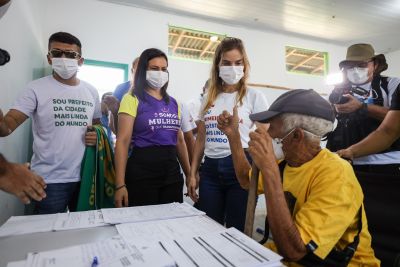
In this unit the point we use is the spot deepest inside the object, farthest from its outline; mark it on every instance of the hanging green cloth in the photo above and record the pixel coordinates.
(97, 175)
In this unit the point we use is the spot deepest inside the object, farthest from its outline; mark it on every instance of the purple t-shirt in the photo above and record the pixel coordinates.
(156, 122)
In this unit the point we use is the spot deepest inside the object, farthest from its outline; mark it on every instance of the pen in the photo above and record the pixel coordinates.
(95, 262)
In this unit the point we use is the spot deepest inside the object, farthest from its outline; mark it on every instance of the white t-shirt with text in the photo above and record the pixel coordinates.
(216, 142)
(60, 115)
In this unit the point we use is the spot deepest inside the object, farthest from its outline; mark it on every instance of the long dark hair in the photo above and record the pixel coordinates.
(140, 83)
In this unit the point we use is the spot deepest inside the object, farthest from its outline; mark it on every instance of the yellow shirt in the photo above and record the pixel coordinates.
(324, 197)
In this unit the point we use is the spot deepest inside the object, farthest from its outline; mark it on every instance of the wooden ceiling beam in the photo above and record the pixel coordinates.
(305, 60)
(291, 52)
(206, 48)
(320, 67)
(178, 41)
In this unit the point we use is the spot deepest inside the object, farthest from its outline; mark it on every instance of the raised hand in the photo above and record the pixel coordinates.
(227, 123)
(260, 146)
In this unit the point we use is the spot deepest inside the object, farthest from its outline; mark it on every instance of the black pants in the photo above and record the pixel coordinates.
(381, 188)
(153, 176)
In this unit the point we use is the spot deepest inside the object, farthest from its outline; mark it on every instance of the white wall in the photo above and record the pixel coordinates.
(21, 37)
(118, 33)
(393, 60)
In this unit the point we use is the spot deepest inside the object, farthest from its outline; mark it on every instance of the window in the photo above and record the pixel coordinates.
(104, 76)
(305, 61)
(192, 44)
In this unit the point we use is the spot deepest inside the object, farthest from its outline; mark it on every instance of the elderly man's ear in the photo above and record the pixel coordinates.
(298, 135)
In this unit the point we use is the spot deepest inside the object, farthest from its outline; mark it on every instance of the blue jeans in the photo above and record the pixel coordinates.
(221, 196)
(59, 197)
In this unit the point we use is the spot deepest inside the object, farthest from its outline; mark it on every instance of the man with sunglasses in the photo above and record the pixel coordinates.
(361, 103)
(62, 109)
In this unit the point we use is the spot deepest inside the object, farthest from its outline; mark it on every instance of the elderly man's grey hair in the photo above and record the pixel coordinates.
(317, 126)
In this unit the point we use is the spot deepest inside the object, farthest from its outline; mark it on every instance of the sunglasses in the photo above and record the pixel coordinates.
(59, 53)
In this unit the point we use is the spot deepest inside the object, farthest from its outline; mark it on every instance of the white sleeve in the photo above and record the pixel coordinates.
(26, 102)
(187, 120)
(97, 105)
(260, 102)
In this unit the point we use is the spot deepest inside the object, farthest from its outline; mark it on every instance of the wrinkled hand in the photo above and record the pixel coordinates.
(352, 105)
(121, 198)
(112, 103)
(346, 153)
(260, 147)
(228, 123)
(192, 185)
(23, 183)
(90, 137)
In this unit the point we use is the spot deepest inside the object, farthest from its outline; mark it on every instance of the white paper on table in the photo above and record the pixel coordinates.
(16, 263)
(154, 231)
(78, 220)
(80, 255)
(143, 257)
(18, 225)
(149, 213)
(226, 248)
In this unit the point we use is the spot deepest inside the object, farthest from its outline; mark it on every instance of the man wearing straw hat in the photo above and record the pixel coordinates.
(361, 103)
(314, 201)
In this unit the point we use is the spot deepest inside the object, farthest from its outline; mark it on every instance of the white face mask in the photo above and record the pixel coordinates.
(4, 9)
(278, 151)
(156, 79)
(277, 146)
(64, 67)
(357, 75)
(231, 74)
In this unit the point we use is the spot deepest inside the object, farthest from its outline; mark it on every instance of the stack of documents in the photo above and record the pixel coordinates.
(18, 225)
(223, 248)
(149, 213)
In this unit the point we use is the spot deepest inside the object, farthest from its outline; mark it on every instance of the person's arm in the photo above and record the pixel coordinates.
(286, 235)
(353, 105)
(18, 180)
(379, 140)
(113, 105)
(189, 140)
(192, 182)
(11, 121)
(121, 157)
(229, 125)
(183, 154)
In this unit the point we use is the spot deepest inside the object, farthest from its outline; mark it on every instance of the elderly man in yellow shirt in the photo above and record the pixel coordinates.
(314, 201)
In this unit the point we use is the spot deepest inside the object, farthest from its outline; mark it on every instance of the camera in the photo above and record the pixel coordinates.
(337, 95)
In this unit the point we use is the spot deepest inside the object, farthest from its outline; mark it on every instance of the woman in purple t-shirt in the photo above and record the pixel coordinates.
(149, 122)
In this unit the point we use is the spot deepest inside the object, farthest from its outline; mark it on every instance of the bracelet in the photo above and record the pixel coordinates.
(119, 187)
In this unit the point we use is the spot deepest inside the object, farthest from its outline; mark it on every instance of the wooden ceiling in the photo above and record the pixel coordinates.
(192, 44)
(305, 61)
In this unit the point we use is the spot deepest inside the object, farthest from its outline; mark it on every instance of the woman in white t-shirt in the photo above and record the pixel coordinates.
(220, 194)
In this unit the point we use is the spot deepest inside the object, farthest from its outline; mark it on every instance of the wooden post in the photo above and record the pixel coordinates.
(251, 201)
